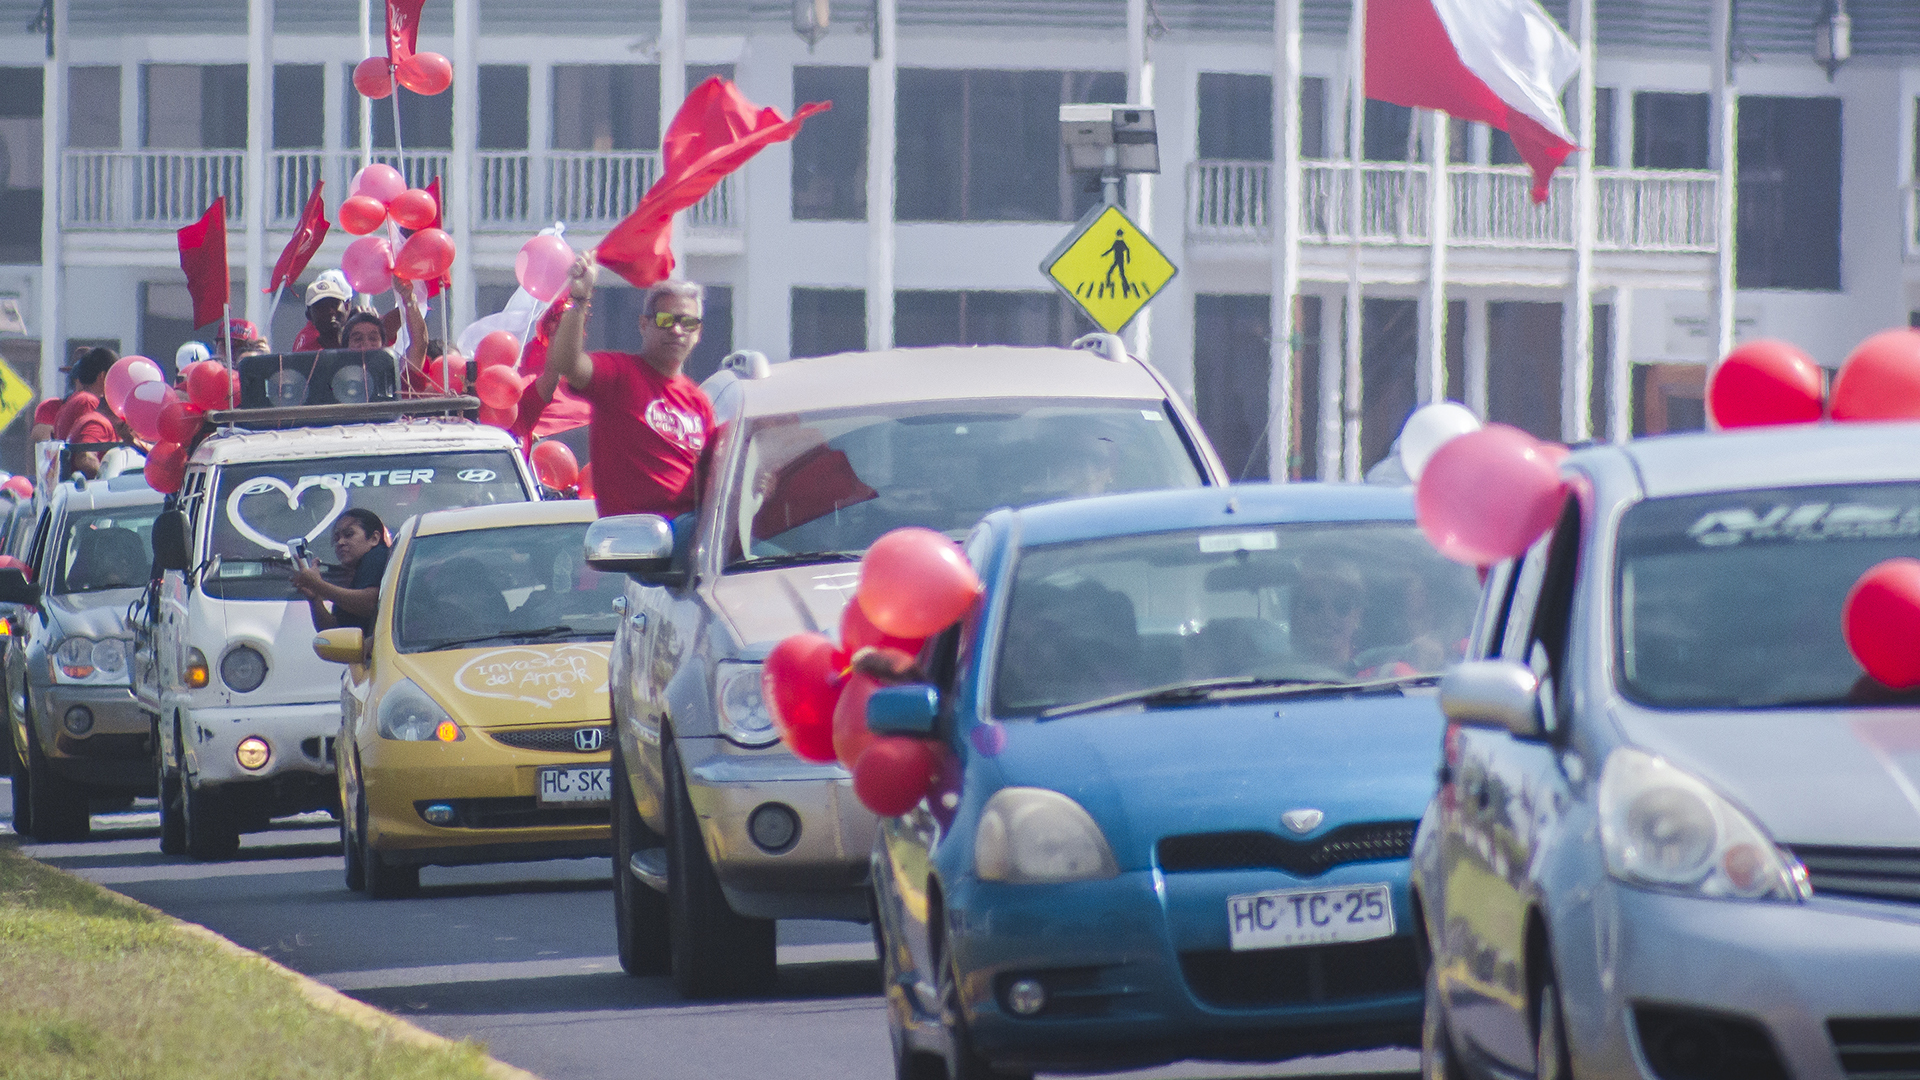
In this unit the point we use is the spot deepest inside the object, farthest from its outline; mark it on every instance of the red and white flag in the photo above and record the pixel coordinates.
(403, 29)
(307, 236)
(1499, 62)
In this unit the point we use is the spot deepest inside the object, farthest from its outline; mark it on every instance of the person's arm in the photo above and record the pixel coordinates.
(416, 331)
(566, 355)
(318, 589)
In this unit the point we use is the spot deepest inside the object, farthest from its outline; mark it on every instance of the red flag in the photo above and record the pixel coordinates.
(716, 130)
(403, 28)
(203, 255)
(305, 240)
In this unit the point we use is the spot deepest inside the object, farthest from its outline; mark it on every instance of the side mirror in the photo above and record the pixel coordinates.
(1493, 693)
(16, 589)
(631, 544)
(170, 547)
(340, 645)
(903, 710)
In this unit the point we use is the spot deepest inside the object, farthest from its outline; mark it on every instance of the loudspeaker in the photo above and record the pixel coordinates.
(328, 377)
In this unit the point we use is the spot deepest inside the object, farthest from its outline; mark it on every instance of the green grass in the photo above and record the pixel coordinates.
(95, 986)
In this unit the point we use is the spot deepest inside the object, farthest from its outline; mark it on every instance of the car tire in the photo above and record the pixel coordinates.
(639, 912)
(166, 784)
(1438, 1059)
(1552, 1058)
(210, 834)
(384, 880)
(356, 870)
(57, 809)
(964, 1061)
(716, 952)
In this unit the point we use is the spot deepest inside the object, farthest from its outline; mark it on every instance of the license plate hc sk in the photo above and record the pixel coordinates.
(575, 784)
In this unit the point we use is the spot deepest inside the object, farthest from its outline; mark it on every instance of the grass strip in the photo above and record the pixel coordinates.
(93, 985)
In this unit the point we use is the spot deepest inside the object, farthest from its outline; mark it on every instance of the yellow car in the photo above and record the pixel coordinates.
(474, 725)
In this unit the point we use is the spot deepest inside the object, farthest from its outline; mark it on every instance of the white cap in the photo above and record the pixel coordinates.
(191, 353)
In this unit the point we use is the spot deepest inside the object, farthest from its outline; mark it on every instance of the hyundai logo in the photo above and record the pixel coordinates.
(1303, 821)
(588, 739)
(476, 476)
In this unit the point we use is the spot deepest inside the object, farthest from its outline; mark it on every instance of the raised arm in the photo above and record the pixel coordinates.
(416, 330)
(566, 354)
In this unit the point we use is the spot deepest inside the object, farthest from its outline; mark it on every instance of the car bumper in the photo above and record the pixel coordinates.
(299, 736)
(115, 753)
(493, 791)
(823, 874)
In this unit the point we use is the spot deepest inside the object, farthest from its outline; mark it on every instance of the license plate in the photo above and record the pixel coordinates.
(1277, 920)
(576, 784)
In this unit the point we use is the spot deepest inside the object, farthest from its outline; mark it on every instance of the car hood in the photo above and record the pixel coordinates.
(96, 614)
(763, 606)
(1847, 777)
(1217, 768)
(507, 685)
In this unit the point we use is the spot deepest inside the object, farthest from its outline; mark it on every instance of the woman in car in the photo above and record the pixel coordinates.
(360, 542)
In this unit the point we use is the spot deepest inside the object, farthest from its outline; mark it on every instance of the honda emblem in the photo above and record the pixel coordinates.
(589, 739)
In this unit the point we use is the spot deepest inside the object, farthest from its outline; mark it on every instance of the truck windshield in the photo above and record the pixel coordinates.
(106, 549)
(258, 507)
(827, 484)
(520, 584)
(1732, 600)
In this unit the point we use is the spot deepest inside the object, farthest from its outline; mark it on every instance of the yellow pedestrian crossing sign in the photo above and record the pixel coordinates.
(1109, 267)
(15, 394)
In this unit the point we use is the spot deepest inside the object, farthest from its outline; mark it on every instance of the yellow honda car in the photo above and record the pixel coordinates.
(474, 725)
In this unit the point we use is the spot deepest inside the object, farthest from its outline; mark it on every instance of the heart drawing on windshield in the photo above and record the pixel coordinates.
(272, 519)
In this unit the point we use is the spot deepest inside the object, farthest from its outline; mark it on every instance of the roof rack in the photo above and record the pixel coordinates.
(352, 413)
(747, 364)
(1104, 346)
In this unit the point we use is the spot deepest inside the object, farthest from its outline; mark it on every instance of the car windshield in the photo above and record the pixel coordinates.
(520, 584)
(106, 549)
(832, 482)
(1732, 600)
(259, 507)
(1307, 603)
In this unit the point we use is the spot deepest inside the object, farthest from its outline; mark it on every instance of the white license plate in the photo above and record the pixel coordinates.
(1276, 920)
(576, 784)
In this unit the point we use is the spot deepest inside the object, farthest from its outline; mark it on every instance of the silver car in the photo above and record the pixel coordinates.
(1677, 833)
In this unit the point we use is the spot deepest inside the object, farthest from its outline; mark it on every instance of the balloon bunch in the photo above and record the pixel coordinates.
(425, 73)
(1482, 494)
(1770, 382)
(379, 192)
(210, 386)
(914, 583)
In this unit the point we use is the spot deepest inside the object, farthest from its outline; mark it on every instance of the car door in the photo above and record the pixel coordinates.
(22, 630)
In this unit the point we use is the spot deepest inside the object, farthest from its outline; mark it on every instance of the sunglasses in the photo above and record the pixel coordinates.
(667, 320)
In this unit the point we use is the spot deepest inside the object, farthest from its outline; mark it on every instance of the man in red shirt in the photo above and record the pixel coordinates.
(651, 425)
(89, 373)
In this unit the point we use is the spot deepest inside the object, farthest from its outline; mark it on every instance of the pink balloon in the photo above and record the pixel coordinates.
(368, 264)
(542, 266)
(1488, 495)
(144, 405)
(498, 386)
(914, 583)
(125, 374)
(382, 183)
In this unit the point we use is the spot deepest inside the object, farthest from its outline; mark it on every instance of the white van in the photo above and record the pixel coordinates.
(244, 713)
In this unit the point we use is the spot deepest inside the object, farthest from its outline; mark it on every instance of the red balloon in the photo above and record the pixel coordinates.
(413, 209)
(850, 734)
(180, 421)
(1881, 622)
(361, 214)
(555, 465)
(1880, 380)
(1765, 382)
(211, 386)
(19, 485)
(372, 77)
(497, 386)
(499, 347)
(858, 632)
(446, 374)
(500, 418)
(915, 582)
(425, 256)
(894, 774)
(1488, 495)
(585, 483)
(800, 684)
(426, 73)
(166, 467)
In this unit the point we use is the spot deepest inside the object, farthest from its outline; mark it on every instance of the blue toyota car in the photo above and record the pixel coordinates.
(1185, 739)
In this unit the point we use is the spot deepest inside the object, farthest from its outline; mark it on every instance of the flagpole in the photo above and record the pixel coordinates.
(1576, 379)
(1433, 371)
(366, 103)
(226, 326)
(1726, 126)
(1356, 196)
(272, 309)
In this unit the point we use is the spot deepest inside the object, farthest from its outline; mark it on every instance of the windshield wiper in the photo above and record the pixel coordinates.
(502, 635)
(796, 558)
(1235, 686)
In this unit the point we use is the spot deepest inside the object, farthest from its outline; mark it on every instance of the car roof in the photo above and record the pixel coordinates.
(1216, 507)
(392, 437)
(503, 515)
(1797, 455)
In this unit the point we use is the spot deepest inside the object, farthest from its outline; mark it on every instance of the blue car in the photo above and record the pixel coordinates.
(1184, 740)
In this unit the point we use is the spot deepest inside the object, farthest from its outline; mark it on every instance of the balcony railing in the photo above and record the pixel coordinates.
(519, 191)
(1635, 209)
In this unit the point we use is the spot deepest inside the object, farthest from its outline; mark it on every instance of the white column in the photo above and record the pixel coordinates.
(259, 142)
(53, 328)
(1140, 92)
(462, 189)
(539, 143)
(366, 103)
(1726, 126)
(1356, 198)
(1283, 211)
(1474, 346)
(1576, 348)
(673, 92)
(1332, 356)
(882, 78)
(1432, 376)
(1620, 367)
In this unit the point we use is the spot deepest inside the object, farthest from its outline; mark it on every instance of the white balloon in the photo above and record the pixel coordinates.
(1429, 428)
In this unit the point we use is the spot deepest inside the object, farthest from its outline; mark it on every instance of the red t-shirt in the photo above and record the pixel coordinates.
(307, 340)
(93, 428)
(77, 406)
(647, 438)
(47, 411)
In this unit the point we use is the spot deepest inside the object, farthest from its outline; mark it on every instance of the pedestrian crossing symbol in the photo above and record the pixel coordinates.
(1109, 267)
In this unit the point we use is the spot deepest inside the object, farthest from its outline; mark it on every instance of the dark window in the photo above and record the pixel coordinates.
(1670, 131)
(503, 107)
(1389, 359)
(1313, 118)
(1232, 369)
(1789, 188)
(830, 153)
(196, 107)
(828, 321)
(299, 121)
(425, 122)
(1523, 366)
(1389, 132)
(930, 317)
(1236, 117)
(166, 320)
(606, 107)
(1603, 127)
(93, 107)
(22, 139)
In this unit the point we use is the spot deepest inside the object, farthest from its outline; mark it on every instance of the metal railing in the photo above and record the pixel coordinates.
(162, 189)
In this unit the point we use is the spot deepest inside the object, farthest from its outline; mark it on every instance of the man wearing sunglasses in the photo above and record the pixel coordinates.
(651, 425)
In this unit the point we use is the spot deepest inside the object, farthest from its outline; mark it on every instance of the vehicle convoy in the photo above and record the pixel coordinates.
(74, 730)
(717, 829)
(1186, 737)
(244, 713)
(1677, 834)
(474, 721)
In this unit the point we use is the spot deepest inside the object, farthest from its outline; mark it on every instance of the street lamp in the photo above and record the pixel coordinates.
(810, 18)
(1112, 140)
(1833, 37)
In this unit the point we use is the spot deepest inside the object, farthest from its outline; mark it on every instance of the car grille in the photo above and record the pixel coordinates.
(1304, 975)
(553, 740)
(1366, 842)
(122, 746)
(1879, 1048)
(1875, 873)
(515, 812)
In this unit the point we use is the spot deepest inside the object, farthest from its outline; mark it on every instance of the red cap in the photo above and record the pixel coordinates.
(242, 330)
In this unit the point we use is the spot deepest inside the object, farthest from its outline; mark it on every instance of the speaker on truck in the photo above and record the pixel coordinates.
(327, 377)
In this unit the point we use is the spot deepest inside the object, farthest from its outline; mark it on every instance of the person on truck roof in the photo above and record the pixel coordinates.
(360, 543)
(89, 374)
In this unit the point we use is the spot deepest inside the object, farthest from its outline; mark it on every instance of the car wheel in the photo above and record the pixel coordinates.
(1551, 1058)
(350, 839)
(210, 834)
(639, 911)
(716, 952)
(1438, 1061)
(166, 785)
(384, 880)
(964, 1061)
(57, 809)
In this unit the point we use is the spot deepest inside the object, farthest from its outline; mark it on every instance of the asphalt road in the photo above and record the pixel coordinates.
(521, 958)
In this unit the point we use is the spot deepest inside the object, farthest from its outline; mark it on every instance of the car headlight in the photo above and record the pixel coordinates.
(744, 718)
(110, 657)
(408, 714)
(243, 669)
(1033, 836)
(73, 660)
(1664, 828)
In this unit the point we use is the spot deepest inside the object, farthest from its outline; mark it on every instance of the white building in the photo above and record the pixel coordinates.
(556, 111)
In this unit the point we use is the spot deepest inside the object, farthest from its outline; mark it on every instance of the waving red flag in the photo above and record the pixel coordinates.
(305, 240)
(716, 130)
(203, 255)
(403, 28)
